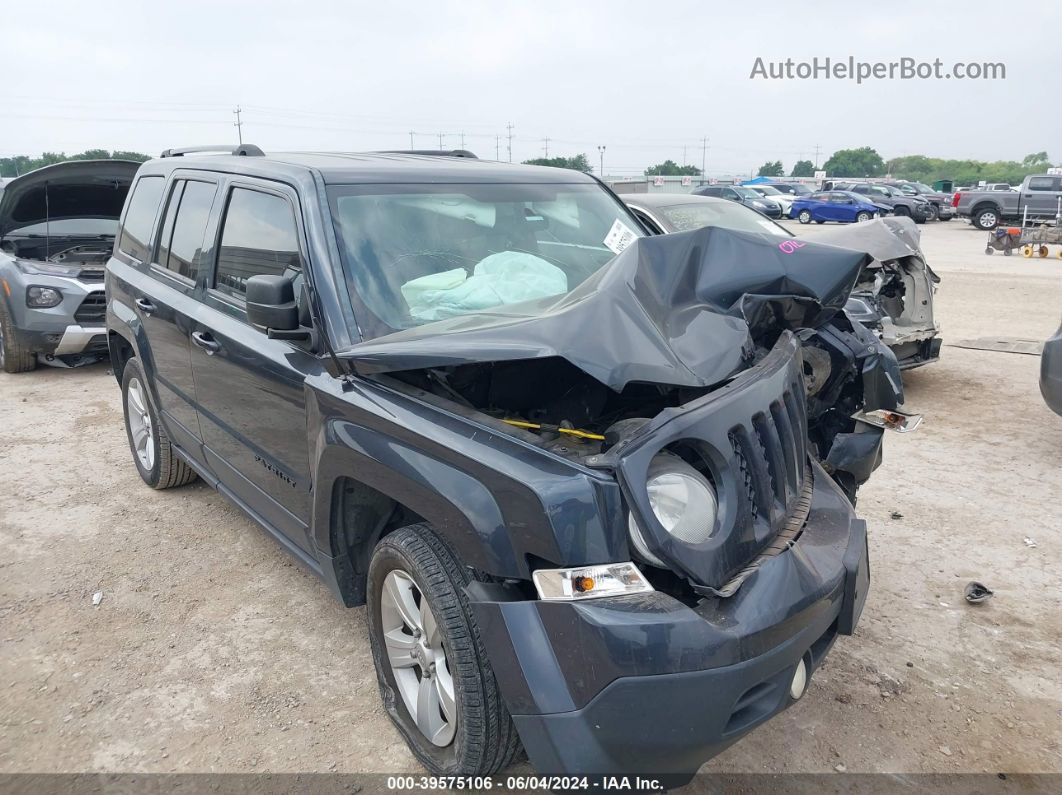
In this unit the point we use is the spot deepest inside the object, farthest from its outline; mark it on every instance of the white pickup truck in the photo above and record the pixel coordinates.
(1039, 197)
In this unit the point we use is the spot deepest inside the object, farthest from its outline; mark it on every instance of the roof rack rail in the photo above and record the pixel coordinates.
(430, 152)
(245, 150)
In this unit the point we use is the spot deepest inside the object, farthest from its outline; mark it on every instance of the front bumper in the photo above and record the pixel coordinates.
(946, 210)
(648, 685)
(1051, 372)
(75, 326)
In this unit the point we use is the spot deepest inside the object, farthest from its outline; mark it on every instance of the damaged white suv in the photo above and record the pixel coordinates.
(57, 227)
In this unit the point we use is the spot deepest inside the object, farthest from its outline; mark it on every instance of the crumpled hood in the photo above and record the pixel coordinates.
(74, 189)
(884, 239)
(672, 309)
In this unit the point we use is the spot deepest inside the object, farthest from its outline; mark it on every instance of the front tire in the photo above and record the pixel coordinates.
(14, 356)
(804, 216)
(864, 216)
(435, 677)
(153, 454)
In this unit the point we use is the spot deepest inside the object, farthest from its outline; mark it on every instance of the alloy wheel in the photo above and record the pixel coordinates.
(139, 419)
(417, 658)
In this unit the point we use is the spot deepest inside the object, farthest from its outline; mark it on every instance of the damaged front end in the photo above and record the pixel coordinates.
(894, 294)
(725, 352)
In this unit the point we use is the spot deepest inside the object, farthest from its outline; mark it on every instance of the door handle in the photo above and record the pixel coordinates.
(144, 305)
(206, 342)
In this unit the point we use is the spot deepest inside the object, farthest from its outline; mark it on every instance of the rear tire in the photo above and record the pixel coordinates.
(412, 568)
(15, 357)
(986, 219)
(153, 453)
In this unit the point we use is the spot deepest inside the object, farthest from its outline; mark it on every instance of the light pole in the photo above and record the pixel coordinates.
(601, 161)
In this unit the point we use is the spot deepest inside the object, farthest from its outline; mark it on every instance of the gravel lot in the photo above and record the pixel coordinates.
(213, 651)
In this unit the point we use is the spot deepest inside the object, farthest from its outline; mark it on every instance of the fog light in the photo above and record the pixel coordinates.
(800, 681)
(43, 297)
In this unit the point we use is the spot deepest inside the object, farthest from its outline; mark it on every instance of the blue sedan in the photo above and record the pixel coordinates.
(835, 205)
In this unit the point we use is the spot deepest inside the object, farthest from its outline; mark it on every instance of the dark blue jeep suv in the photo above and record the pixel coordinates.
(595, 487)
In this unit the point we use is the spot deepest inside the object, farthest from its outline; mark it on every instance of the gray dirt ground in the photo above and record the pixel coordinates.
(213, 651)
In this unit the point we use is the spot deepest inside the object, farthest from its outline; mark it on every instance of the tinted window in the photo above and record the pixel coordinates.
(1042, 183)
(181, 243)
(140, 217)
(259, 237)
(821, 197)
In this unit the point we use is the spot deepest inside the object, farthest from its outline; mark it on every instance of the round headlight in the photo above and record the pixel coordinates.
(682, 500)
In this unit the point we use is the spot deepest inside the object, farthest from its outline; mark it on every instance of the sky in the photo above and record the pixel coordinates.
(648, 81)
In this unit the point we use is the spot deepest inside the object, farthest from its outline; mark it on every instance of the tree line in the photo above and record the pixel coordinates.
(20, 164)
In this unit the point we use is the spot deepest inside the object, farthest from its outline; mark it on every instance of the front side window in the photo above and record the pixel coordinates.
(183, 228)
(259, 237)
(415, 254)
(140, 216)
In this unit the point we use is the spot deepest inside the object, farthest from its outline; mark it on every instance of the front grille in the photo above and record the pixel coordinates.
(91, 275)
(92, 308)
(771, 451)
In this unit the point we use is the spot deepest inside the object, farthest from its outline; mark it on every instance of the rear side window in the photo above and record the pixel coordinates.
(140, 216)
(187, 212)
(1042, 183)
(259, 238)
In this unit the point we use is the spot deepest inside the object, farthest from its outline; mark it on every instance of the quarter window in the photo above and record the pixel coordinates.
(140, 217)
(259, 237)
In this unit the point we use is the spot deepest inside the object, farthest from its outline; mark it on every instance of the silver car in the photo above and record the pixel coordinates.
(57, 227)
(893, 295)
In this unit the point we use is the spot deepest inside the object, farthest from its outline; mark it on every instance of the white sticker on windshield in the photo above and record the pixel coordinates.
(619, 236)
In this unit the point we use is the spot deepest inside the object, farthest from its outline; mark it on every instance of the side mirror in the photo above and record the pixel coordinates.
(271, 303)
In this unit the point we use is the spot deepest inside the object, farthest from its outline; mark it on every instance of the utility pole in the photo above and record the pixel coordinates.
(411, 140)
(497, 147)
(546, 148)
(440, 141)
(509, 131)
(601, 162)
(684, 154)
(704, 157)
(462, 140)
(817, 150)
(238, 124)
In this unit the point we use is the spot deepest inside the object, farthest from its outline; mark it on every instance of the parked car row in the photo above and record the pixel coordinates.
(840, 201)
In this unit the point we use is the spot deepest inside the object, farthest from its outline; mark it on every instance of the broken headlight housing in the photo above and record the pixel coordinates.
(683, 501)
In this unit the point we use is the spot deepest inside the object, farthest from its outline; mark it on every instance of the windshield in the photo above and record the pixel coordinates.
(747, 193)
(922, 187)
(687, 217)
(414, 254)
(768, 190)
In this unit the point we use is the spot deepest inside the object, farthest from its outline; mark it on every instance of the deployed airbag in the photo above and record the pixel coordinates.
(508, 277)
